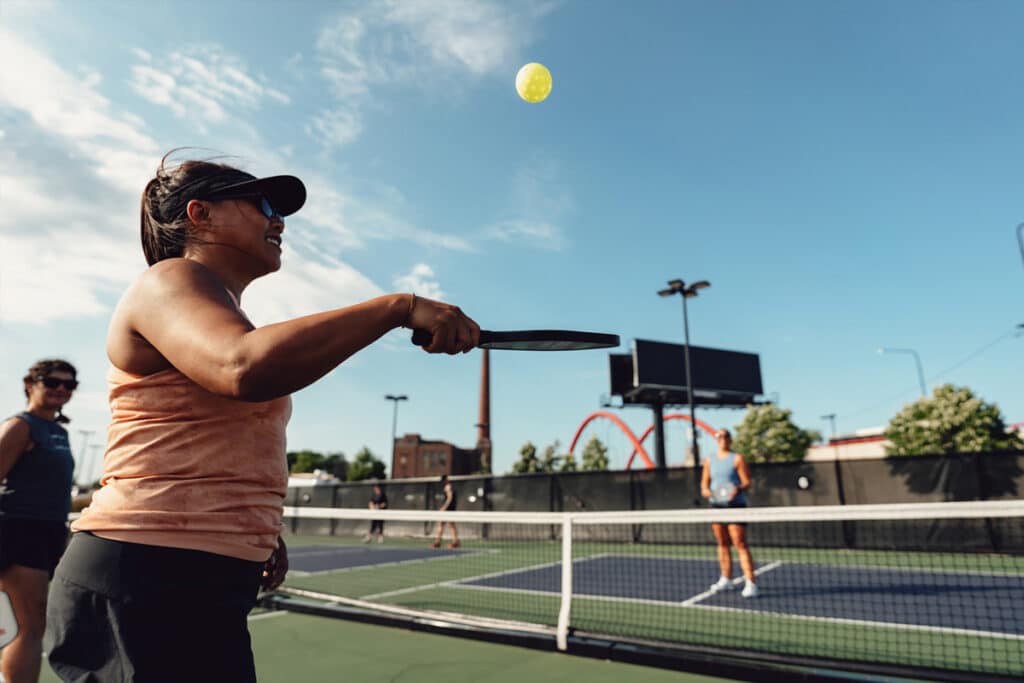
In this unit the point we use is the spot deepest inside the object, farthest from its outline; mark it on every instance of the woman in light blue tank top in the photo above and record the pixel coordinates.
(725, 480)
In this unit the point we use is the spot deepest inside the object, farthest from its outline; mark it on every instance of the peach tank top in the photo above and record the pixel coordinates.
(185, 468)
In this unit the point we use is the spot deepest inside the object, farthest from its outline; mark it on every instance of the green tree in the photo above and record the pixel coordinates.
(336, 464)
(952, 420)
(550, 459)
(595, 456)
(568, 463)
(365, 466)
(528, 461)
(767, 434)
(305, 461)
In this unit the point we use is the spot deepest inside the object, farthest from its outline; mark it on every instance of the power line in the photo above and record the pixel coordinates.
(1012, 333)
(1016, 331)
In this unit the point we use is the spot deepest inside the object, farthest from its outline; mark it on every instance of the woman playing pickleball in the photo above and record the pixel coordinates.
(450, 504)
(725, 480)
(36, 469)
(169, 557)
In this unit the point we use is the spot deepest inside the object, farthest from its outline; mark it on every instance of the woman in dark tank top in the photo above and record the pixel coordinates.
(36, 467)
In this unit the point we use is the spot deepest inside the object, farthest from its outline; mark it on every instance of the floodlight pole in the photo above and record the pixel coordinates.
(679, 287)
(831, 417)
(689, 386)
(80, 460)
(917, 360)
(394, 424)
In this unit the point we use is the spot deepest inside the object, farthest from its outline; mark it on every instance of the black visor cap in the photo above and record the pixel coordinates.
(286, 193)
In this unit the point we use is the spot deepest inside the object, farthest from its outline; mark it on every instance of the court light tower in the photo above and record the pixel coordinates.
(394, 421)
(917, 360)
(679, 287)
(831, 417)
(80, 460)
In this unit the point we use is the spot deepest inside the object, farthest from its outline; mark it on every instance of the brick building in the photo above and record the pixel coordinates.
(418, 457)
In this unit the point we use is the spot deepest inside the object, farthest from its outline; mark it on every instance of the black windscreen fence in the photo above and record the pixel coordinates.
(917, 479)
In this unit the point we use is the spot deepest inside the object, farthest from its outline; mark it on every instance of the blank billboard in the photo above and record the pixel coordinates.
(657, 364)
(620, 371)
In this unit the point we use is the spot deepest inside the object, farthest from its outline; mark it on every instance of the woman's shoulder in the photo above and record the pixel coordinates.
(173, 273)
(174, 279)
(18, 423)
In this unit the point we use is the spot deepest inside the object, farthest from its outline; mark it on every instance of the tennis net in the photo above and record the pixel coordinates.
(926, 590)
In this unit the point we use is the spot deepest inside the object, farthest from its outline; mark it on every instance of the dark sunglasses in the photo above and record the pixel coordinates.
(258, 200)
(53, 383)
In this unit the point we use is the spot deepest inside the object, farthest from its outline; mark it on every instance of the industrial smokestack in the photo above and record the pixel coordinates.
(483, 434)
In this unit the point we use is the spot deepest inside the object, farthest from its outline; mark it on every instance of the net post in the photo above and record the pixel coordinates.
(562, 632)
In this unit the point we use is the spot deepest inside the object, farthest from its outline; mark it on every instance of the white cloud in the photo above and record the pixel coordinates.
(157, 87)
(335, 128)
(464, 34)
(71, 108)
(533, 233)
(419, 43)
(538, 202)
(201, 81)
(303, 287)
(57, 274)
(421, 281)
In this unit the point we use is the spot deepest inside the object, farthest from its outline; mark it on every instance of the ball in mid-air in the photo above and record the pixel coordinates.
(533, 82)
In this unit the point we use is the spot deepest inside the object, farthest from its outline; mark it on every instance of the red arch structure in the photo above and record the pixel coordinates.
(675, 416)
(637, 445)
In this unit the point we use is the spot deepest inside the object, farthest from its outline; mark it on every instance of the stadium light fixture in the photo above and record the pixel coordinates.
(394, 423)
(917, 361)
(679, 287)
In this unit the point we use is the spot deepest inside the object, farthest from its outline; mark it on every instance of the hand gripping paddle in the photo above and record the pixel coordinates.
(534, 340)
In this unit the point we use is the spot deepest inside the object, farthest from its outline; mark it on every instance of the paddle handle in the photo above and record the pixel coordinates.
(424, 337)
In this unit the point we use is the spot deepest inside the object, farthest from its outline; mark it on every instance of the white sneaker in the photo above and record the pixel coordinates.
(750, 590)
(380, 539)
(722, 584)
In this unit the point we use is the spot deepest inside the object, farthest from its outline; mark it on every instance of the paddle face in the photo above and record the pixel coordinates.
(723, 494)
(534, 340)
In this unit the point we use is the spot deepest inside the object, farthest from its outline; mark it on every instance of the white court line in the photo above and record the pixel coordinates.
(912, 570)
(867, 622)
(692, 603)
(374, 565)
(735, 582)
(458, 582)
(267, 615)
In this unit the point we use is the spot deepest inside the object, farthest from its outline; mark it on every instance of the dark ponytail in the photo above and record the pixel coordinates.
(164, 224)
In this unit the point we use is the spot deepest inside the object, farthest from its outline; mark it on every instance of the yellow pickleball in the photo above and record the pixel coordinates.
(533, 82)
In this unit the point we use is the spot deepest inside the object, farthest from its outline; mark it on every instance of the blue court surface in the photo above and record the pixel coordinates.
(975, 602)
(331, 558)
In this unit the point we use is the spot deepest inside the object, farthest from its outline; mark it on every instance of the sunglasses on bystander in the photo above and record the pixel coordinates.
(54, 382)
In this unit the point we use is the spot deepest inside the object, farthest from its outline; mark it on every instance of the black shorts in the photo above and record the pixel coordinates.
(32, 543)
(731, 505)
(122, 612)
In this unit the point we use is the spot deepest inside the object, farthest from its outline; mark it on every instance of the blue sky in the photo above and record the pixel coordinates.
(846, 174)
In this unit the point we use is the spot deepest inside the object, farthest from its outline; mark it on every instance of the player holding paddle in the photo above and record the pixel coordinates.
(170, 555)
(725, 480)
